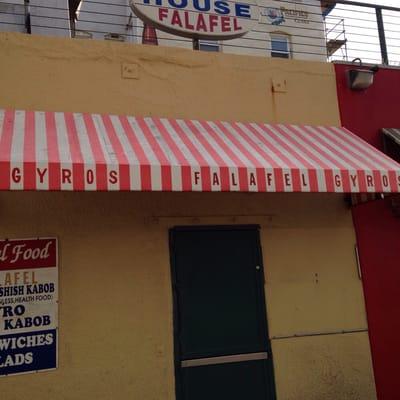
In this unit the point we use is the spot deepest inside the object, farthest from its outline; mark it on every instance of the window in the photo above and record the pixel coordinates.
(208, 46)
(280, 45)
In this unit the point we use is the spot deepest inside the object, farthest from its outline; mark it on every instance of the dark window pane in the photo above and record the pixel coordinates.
(280, 55)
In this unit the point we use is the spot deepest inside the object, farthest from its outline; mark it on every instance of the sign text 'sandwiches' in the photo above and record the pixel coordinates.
(28, 305)
(209, 19)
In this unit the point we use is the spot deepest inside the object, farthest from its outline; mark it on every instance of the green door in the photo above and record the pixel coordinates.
(222, 349)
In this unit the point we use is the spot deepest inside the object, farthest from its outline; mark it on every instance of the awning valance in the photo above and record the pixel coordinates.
(71, 151)
(393, 134)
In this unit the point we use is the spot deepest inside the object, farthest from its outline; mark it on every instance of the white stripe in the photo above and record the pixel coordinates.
(41, 152)
(340, 151)
(342, 148)
(176, 177)
(64, 150)
(2, 117)
(123, 139)
(271, 153)
(259, 144)
(169, 154)
(361, 154)
(322, 187)
(270, 183)
(133, 161)
(104, 140)
(234, 182)
(239, 137)
(213, 143)
(215, 183)
(179, 143)
(196, 143)
(232, 146)
(65, 185)
(195, 171)
(143, 142)
(297, 138)
(367, 148)
(156, 183)
(305, 183)
(110, 157)
(87, 154)
(294, 153)
(17, 151)
(252, 187)
(135, 179)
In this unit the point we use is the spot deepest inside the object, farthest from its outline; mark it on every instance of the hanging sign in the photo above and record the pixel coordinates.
(207, 19)
(28, 305)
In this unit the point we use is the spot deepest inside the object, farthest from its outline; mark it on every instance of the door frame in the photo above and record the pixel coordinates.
(270, 376)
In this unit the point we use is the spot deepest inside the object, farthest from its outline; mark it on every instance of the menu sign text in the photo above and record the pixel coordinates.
(28, 305)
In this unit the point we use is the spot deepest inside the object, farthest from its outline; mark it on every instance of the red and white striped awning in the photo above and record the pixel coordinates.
(71, 151)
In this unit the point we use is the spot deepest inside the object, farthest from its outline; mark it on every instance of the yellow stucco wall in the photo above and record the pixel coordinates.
(115, 299)
(51, 74)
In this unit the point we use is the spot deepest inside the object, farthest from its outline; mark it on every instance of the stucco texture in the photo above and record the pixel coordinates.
(116, 336)
(52, 74)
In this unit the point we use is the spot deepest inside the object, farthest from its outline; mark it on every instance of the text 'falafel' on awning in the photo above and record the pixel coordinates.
(82, 152)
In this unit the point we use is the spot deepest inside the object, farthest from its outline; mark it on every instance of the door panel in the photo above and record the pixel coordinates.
(236, 381)
(220, 311)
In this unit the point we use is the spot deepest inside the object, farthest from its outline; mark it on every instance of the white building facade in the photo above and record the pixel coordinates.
(286, 29)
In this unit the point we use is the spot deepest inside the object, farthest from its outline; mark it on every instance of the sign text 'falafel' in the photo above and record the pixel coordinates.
(207, 19)
(28, 305)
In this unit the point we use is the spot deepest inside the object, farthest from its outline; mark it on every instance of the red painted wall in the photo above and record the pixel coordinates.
(367, 112)
(378, 231)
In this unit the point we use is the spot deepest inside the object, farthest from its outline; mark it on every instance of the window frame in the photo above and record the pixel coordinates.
(281, 37)
(210, 46)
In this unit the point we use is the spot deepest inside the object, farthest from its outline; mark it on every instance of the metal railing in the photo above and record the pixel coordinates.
(351, 30)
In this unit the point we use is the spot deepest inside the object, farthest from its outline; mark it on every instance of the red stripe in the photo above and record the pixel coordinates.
(206, 185)
(236, 161)
(371, 156)
(343, 156)
(261, 180)
(296, 180)
(346, 181)
(320, 163)
(394, 183)
(29, 152)
(279, 183)
(362, 186)
(225, 179)
(378, 183)
(329, 181)
(5, 149)
(98, 155)
(243, 179)
(53, 152)
(320, 144)
(145, 170)
(166, 179)
(205, 173)
(313, 180)
(145, 178)
(206, 144)
(365, 161)
(186, 173)
(78, 170)
(182, 160)
(124, 173)
(252, 141)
